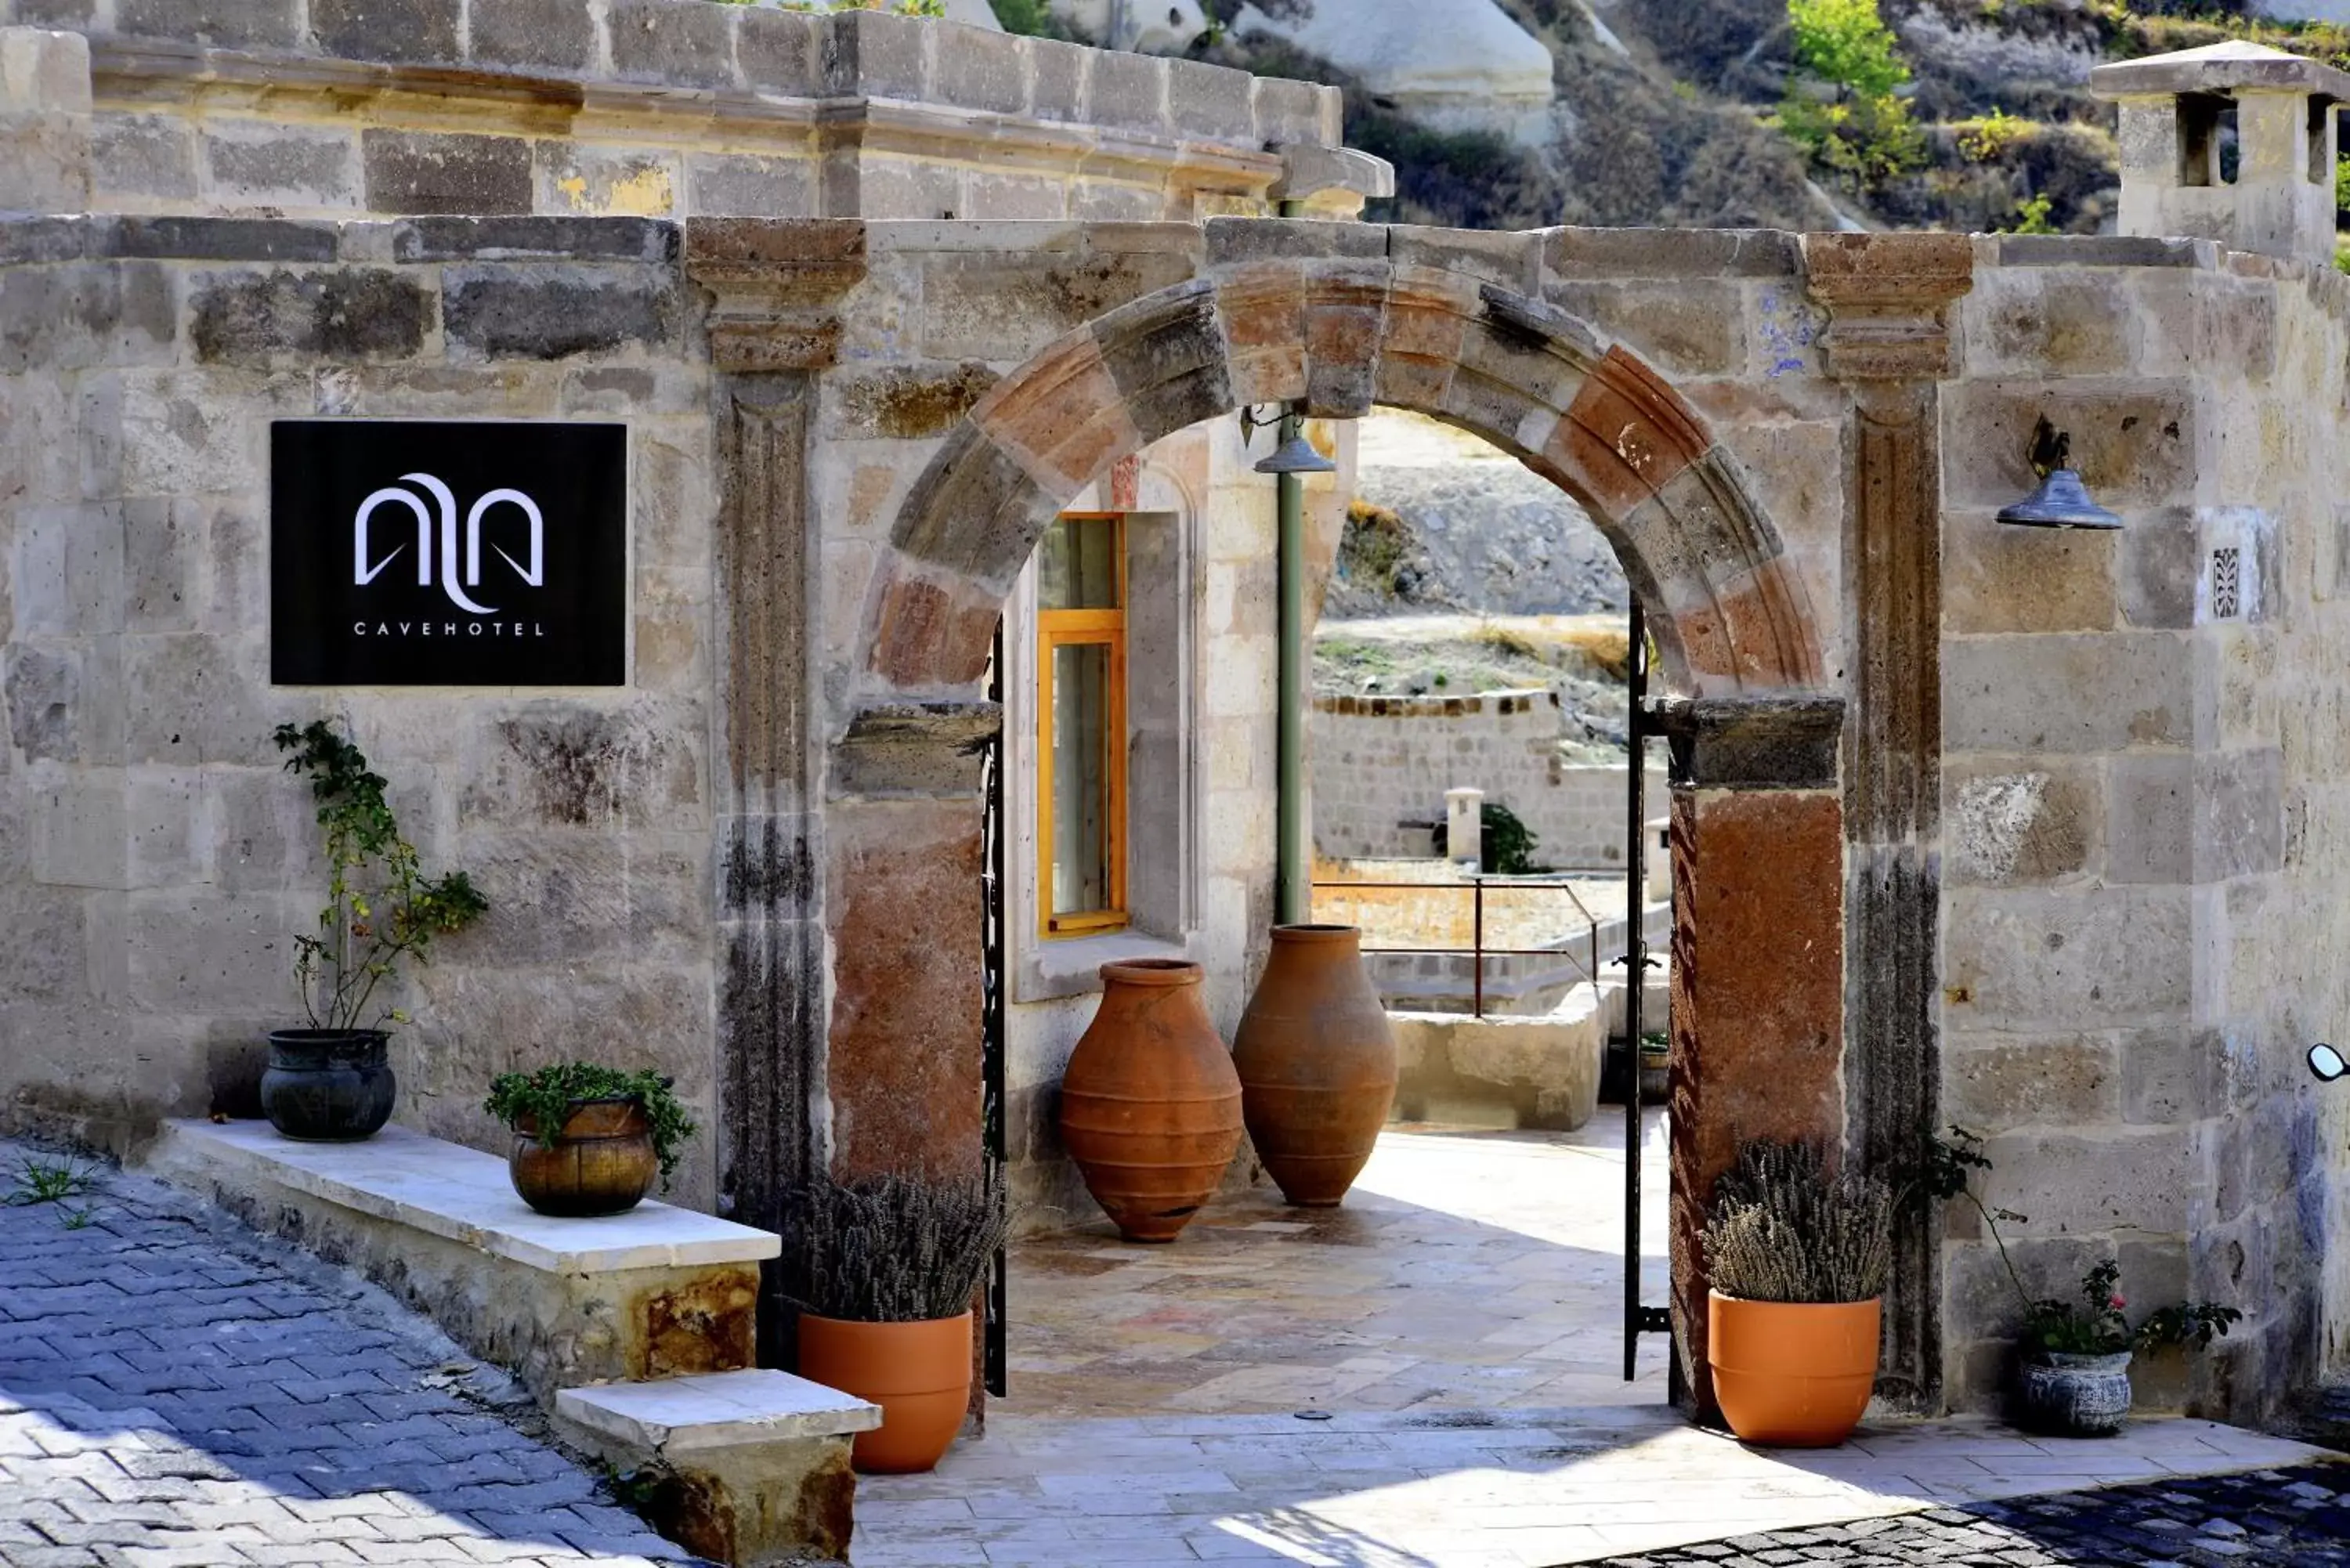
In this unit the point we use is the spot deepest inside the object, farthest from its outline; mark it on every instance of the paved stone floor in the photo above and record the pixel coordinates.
(1493, 1489)
(177, 1390)
(1467, 1269)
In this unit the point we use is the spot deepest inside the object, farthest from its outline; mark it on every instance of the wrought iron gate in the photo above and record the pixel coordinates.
(992, 1009)
(1638, 1318)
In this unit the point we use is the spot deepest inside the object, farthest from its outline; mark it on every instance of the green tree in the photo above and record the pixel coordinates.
(1846, 43)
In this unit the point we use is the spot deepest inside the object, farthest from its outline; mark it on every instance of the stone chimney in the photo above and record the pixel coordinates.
(2179, 111)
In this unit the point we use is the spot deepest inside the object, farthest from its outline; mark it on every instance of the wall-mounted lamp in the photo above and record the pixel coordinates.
(1295, 454)
(2062, 501)
(2327, 1063)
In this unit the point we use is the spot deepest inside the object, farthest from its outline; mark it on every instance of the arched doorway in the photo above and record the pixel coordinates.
(1288, 311)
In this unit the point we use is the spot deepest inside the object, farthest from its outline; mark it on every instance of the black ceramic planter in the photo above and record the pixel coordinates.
(328, 1086)
(2075, 1395)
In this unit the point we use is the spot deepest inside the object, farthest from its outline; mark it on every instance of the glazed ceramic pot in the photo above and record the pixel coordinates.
(601, 1162)
(1317, 1063)
(919, 1373)
(1792, 1375)
(328, 1086)
(2067, 1396)
(1150, 1107)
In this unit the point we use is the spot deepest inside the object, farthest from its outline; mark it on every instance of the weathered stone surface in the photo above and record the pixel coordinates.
(144, 155)
(220, 239)
(749, 186)
(874, 53)
(1686, 329)
(559, 764)
(534, 238)
(914, 748)
(222, 23)
(1570, 253)
(1542, 1071)
(2094, 958)
(2004, 827)
(389, 30)
(912, 402)
(1762, 744)
(2044, 324)
(687, 45)
(2133, 446)
(2135, 1180)
(47, 718)
(411, 171)
(1759, 963)
(1999, 578)
(778, 52)
(2065, 1081)
(1007, 307)
(2071, 694)
(904, 1059)
(278, 318)
(552, 311)
(548, 33)
(67, 317)
(282, 165)
(987, 71)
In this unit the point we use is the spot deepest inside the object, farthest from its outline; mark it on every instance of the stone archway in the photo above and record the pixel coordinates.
(1345, 318)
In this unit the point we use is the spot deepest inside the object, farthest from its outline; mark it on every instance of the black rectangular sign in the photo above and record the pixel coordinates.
(412, 553)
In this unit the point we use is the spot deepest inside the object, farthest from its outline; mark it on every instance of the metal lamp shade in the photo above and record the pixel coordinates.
(2060, 502)
(1296, 455)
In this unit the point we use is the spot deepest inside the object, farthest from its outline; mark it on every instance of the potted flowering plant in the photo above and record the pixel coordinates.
(2074, 1380)
(331, 1082)
(2077, 1356)
(587, 1137)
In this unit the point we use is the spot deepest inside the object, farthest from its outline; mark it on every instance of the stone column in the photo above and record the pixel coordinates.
(771, 331)
(1889, 340)
(1758, 959)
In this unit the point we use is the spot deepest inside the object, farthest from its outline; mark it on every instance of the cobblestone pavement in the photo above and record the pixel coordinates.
(2296, 1518)
(175, 1389)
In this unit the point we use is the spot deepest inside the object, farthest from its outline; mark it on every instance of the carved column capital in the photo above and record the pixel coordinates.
(775, 284)
(1754, 742)
(1889, 299)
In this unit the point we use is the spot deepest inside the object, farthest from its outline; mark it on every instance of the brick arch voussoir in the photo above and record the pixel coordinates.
(1344, 334)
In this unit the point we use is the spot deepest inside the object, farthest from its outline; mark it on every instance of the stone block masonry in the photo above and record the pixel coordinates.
(155, 862)
(1381, 766)
(648, 107)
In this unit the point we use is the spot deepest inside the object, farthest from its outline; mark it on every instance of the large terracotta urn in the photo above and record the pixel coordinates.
(1150, 1107)
(1317, 1064)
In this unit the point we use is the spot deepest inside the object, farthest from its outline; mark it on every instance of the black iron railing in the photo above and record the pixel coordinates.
(1477, 951)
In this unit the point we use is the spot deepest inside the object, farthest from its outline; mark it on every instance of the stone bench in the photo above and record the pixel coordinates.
(1538, 1072)
(659, 1292)
(743, 1468)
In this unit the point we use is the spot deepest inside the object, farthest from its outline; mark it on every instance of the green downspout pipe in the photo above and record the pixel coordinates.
(1293, 882)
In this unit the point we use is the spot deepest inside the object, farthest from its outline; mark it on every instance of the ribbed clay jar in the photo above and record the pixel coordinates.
(1317, 1063)
(1150, 1107)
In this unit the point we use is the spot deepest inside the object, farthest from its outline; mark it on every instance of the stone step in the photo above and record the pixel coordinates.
(743, 1468)
(657, 1292)
(715, 1409)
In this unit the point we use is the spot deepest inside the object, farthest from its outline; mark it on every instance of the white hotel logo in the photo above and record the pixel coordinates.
(364, 571)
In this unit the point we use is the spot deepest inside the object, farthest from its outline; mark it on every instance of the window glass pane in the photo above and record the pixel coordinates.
(1081, 804)
(1077, 566)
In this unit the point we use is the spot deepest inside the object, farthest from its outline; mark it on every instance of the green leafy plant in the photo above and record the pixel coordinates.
(1505, 844)
(380, 906)
(1783, 1230)
(1991, 138)
(891, 1249)
(821, 7)
(2031, 218)
(543, 1099)
(40, 1180)
(2052, 1325)
(1032, 19)
(1844, 106)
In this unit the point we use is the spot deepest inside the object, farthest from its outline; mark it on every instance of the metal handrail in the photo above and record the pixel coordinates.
(1477, 950)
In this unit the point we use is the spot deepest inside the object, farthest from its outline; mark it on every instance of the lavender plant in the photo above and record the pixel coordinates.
(1783, 1230)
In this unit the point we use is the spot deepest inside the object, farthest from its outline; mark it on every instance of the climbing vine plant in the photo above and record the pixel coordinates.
(380, 906)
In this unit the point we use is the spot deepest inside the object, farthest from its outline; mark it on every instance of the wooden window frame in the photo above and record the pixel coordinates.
(1084, 627)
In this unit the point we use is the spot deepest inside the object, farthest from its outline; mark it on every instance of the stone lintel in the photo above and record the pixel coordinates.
(1887, 297)
(1754, 742)
(915, 749)
(2226, 69)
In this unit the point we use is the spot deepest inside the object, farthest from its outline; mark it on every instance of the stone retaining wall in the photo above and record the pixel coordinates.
(1381, 764)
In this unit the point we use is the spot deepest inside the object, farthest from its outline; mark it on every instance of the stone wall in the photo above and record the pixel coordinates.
(654, 107)
(155, 862)
(2143, 800)
(1381, 766)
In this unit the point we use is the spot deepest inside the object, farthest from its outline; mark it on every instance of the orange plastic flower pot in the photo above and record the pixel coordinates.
(1789, 1374)
(919, 1373)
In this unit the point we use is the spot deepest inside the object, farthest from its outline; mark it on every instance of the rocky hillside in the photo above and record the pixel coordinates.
(1715, 112)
